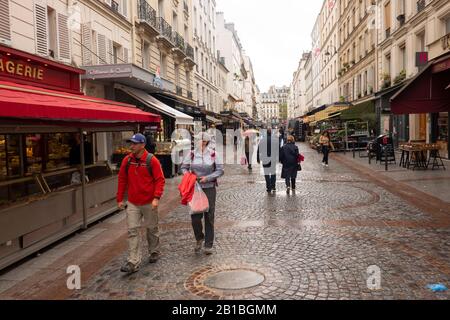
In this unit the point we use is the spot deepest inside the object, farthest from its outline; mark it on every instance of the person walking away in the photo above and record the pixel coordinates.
(326, 144)
(141, 176)
(248, 143)
(208, 167)
(289, 159)
(268, 154)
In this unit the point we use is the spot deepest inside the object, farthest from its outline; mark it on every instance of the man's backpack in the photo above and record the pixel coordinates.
(147, 161)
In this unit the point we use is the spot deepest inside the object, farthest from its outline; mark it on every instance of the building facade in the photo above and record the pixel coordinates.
(231, 51)
(408, 29)
(206, 70)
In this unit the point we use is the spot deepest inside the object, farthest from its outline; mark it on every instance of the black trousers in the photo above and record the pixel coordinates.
(197, 224)
(249, 161)
(271, 182)
(326, 152)
(290, 182)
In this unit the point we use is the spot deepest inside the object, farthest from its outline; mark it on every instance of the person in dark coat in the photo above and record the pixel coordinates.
(150, 145)
(289, 159)
(268, 154)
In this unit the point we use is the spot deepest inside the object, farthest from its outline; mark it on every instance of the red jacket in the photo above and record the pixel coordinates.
(141, 186)
(186, 187)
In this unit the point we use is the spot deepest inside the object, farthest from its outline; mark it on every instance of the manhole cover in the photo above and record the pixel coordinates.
(234, 280)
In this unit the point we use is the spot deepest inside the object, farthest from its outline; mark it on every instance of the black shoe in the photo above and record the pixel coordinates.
(129, 268)
(208, 251)
(154, 257)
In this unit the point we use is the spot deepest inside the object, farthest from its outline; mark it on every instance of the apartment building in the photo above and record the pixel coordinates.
(205, 47)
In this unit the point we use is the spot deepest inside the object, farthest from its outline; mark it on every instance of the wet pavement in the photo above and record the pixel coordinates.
(320, 242)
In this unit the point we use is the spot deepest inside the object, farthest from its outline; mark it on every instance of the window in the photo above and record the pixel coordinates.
(402, 58)
(161, 8)
(163, 65)
(146, 55)
(421, 42)
(447, 26)
(387, 18)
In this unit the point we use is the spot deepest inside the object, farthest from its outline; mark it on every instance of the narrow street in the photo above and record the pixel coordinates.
(316, 243)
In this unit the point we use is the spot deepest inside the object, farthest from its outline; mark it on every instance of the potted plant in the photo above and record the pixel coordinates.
(401, 77)
(341, 99)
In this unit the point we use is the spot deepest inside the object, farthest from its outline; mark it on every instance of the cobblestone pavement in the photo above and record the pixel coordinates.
(299, 242)
(315, 244)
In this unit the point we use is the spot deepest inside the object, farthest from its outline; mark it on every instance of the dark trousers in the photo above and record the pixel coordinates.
(197, 224)
(326, 152)
(271, 182)
(290, 182)
(249, 161)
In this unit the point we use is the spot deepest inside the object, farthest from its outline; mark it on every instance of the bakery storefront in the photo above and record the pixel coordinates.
(54, 177)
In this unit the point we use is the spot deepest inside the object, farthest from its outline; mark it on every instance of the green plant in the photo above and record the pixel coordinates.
(401, 77)
(341, 99)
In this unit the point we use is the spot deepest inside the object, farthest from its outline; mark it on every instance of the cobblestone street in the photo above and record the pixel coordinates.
(316, 243)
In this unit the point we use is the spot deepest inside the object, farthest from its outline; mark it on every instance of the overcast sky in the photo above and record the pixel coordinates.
(273, 33)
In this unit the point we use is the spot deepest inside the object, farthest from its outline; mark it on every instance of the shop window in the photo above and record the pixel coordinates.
(34, 146)
(58, 147)
(10, 164)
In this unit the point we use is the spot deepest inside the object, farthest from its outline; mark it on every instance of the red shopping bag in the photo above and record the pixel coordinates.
(300, 158)
(199, 202)
(244, 161)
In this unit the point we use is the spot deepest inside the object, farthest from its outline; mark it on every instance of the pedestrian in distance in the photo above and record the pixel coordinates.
(325, 145)
(141, 176)
(289, 159)
(208, 167)
(268, 154)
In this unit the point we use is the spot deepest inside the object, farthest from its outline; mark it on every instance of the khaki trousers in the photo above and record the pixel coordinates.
(142, 217)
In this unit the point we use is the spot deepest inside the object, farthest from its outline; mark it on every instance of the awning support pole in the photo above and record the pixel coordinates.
(83, 179)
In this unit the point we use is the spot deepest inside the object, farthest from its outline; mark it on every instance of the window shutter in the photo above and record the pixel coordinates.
(124, 8)
(86, 41)
(110, 52)
(40, 17)
(125, 55)
(5, 23)
(63, 38)
(101, 45)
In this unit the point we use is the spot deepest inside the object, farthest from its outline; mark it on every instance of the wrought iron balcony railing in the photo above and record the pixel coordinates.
(420, 5)
(165, 29)
(190, 51)
(179, 41)
(147, 13)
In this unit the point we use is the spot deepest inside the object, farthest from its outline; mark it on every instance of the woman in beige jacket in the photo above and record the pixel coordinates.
(325, 144)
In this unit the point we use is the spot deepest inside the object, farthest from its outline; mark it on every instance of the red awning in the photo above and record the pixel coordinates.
(425, 93)
(31, 103)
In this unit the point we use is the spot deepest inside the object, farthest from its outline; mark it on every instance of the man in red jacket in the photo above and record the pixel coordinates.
(142, 176)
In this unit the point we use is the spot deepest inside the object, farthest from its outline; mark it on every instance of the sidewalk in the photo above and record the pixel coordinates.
(43, 275)
(433, 182)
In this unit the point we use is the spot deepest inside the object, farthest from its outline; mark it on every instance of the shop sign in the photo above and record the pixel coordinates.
(24, 68)
(421, 59)
(108, 72)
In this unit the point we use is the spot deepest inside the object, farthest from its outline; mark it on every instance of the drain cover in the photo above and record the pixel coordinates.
(234, 280)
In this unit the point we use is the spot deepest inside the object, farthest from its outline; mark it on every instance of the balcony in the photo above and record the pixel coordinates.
(190, 58)
(420, 5)
(147, 16)
(166, 36)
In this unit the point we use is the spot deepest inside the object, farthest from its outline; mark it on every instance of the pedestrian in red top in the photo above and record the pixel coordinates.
(142, 176)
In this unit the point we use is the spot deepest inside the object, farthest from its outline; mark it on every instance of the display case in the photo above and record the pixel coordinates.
(59, 145)
(164, 148)
(10, 163)
(34, 146)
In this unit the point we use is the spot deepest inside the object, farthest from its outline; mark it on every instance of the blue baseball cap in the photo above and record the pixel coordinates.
(138, 138)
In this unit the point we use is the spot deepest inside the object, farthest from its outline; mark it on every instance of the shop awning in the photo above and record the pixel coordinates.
(426, 92)
(213, 120)
(153, 103)
(364, 111)
(32, 103)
